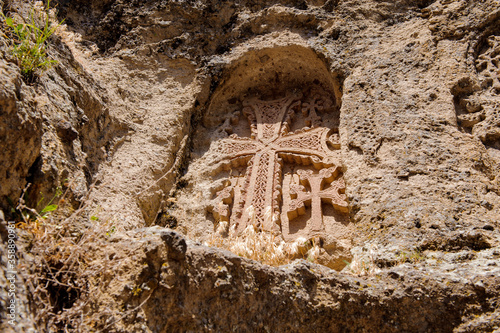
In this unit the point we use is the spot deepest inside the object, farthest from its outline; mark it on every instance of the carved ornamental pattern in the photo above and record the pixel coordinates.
(263, 195)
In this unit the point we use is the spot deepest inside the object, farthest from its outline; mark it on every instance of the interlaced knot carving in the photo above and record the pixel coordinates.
(270, 145)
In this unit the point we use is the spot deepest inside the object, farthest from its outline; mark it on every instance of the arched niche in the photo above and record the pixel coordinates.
(267, 153)
(270, 73)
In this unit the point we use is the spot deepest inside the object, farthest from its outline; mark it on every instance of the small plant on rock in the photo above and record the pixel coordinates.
(28, 40)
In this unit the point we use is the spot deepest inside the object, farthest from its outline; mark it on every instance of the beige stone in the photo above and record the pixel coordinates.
(136, 124)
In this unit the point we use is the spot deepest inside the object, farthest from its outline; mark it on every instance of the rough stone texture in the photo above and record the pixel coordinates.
(24, 321)
(56, 132)
(20, 133)
(152, 96)
(171, 284)
(417, 83)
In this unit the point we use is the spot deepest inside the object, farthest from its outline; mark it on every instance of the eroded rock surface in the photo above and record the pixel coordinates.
(131, 118)
(171, 284)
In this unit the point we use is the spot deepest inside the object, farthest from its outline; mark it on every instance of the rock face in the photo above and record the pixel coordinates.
(20, 133)
(55, 133)
(369, 127)
(183, 286)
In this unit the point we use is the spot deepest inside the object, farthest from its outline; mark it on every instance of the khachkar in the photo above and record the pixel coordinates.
(261, 196)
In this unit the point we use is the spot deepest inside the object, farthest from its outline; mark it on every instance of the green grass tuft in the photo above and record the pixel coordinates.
(29, 41)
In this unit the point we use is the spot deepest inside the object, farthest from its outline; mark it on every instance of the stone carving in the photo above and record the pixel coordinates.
(258, 197)
(324, 186)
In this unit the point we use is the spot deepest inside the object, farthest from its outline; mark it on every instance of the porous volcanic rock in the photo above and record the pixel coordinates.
(118, 123)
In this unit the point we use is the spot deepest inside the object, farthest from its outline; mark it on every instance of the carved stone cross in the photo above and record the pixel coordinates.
(259, 198)
(324, 187)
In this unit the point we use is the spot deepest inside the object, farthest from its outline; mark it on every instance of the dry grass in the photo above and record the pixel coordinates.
(363, 263)
(262, 246)
(67, 264)
(64, 277)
